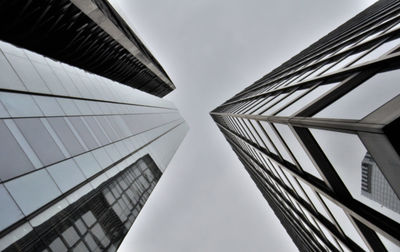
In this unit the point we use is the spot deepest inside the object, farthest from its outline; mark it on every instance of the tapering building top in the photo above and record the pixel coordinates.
(88, 34)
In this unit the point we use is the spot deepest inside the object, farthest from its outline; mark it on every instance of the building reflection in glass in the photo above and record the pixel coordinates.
(99, 220)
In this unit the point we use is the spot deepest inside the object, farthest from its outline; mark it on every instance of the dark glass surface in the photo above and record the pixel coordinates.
(94, 222)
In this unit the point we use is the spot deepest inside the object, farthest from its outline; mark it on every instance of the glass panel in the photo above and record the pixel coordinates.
(66, 135)
(283, 102)
(48, 105)
(102, 157)
(40, 140)
(377, 91)
(313, 197)
(320, 70)
(390, 246)
(345, 62)
(19, 105)
(58, 245)
(88, 164)
(28, 74)
(8, 78)
(9, 211)
(37, 185)
(83, 107)
(97, 130)
(379, 51)
(49, 76)
(113, 152)
(70, 236)
(348, 156)
(297, 150)
(276, 141)
(275, 101)
(83, 132)
(262, 106)
(107, 127)
(13, 160)
(66, 174)
(3, 112)
(307, 99)
(81, 247)
(345, 223)
(57, 80)
(68, 106)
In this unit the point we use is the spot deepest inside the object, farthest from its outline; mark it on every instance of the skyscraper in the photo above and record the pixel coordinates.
(80, 152)
(302, 132)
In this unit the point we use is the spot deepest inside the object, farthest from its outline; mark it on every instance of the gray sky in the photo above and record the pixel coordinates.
(212, 49)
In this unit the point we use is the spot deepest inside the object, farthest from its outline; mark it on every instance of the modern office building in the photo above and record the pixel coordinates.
(302, 132)
(80, 153)
(88, 34)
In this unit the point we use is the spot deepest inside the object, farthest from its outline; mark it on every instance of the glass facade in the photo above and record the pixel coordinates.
(79, 154)
(303, 130)
(97, 221)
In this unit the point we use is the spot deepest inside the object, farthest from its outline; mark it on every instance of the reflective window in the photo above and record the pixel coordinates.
(37, 185)
(345, 62)
(320, 70)
(83, 132)
(19, 105)
(379, 51)
(66, 135)
(80, 226)
(102, 157)
(377, 91)
(345, 223)
(66, 174)
(13, 160)
(48, 105)
(390, 246)
(113, 152)
(81, 247)
(9, 211)
(40, 140)
(58, 245)
(83, 107)
(297, 150)
(3, 112)
(96, 129)
(70, 236)
(8, 77)
(306, 99)
(107, 127)
(88, 164)
(50, 77)
(314, 199)
(28, 74)
(266, 141)
(89, 218)
(62, 83)
(276, 141)
(286, 101)
(68, 106)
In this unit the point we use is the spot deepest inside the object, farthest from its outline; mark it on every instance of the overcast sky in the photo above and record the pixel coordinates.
(212, 49)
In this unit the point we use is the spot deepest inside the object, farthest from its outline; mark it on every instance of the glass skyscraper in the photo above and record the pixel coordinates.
(304, 130)
(81, 148)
